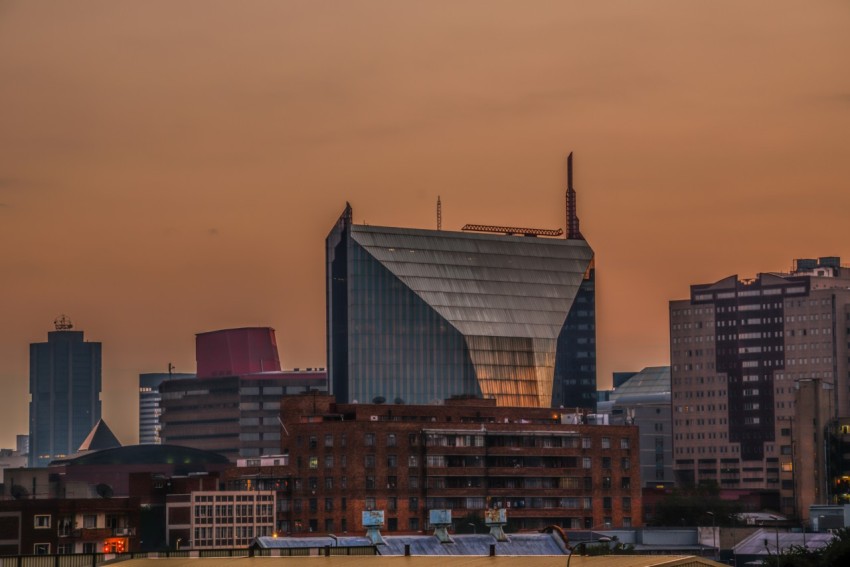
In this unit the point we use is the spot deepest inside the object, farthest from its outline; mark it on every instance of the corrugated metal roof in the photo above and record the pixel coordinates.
(755, 543)
(436, 561)
(518, 544)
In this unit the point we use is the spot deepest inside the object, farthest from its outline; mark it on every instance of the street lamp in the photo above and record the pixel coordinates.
(583, 546)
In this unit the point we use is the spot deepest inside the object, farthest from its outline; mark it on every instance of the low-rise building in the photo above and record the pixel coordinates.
(467, 455)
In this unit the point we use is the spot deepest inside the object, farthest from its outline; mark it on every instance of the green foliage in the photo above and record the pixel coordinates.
(835, 554)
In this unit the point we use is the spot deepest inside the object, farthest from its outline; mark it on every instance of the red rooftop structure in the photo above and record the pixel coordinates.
(235, 352)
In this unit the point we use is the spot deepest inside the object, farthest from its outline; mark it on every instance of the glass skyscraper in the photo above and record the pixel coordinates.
(65, 385)
(417, 316)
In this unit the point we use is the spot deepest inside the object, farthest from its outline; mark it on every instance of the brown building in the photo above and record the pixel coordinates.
(740, 352)
(63, 526)
(467, 455)
(235, 416)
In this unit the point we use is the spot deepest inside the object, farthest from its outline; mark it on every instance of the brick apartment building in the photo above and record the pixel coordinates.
(467, 455)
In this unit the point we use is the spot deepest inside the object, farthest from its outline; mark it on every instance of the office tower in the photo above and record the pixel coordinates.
(65, 389)
(643, 399)
(417, 316)
(233, 407)
(740, 350)
(149, 404)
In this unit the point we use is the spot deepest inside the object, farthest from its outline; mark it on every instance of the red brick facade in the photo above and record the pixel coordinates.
(466, 455)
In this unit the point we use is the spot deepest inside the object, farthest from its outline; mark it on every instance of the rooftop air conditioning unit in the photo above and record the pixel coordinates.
(373, 418)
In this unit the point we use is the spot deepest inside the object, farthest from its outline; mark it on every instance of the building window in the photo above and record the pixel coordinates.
(625, 463)
(624, 442)
(413, 482)
(313, 443)
(627, 504)
(606, 482)
(586, 443)
(329, 440)
(313, 462)
(412, 461)
(392, 503)
(392, 481)
(369, 439)
(89, 521)
(329, 461)
(413, 504)
(392, 461)
(606, 462)
(329, 525)
(412, 439)
(42, 522)
(606, 442)
(314, 505)
(370, 482)
(41, 549)
(329, 504)
(369, 461)
(343, 504)
(391, 440)
(329, 483)
(413, 524)
(586, 462)
(607, 503)
(626, 483)
(343, 482)
(370, 502)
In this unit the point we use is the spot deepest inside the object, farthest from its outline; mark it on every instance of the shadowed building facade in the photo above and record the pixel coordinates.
(65, 384)
(417, 316)
(751, 360)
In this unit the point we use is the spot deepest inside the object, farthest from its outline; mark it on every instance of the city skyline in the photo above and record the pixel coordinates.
(167, 170)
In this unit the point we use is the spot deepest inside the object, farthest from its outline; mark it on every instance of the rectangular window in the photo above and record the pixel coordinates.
(413, 504)
(329, 440)
(413, 482)
(606, 442)
(392, 461)
(391, 440)
(42, 522)
(624, 442)
(586, 443)
(369, 440)
(329, 461)
(412, 461)
(370, 482)
(369, 461)
(586, 462)
(90, 521)
(370, 502)
(41, 549)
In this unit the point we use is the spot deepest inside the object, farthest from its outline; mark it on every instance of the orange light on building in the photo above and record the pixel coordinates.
(115, 545)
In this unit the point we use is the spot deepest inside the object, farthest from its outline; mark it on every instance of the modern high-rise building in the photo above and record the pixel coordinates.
(65, 385)
(233, 407)
(149, 407)
(417, 316)
(644, 400)
(740, 350)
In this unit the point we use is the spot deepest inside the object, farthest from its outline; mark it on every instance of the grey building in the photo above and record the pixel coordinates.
(65, 386)
(644, 400)
(149, 406)
(416, 316)
(740, 349)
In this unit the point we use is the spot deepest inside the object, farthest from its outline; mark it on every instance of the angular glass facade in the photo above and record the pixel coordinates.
(417, 316)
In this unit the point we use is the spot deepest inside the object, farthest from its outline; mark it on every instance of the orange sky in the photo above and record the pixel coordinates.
(171, 167)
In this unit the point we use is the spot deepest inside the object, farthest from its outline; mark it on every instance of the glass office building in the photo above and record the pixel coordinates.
(65, 389)
(417, 316)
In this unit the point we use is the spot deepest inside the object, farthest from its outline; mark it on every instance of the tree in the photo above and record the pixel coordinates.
(835, 554)
(691, 506)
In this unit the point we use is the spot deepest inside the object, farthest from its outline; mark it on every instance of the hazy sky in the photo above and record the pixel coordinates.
(170, 167)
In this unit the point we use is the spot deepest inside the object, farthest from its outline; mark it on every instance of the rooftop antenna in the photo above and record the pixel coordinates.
(573, 232)
(439, 214)
(63, 323)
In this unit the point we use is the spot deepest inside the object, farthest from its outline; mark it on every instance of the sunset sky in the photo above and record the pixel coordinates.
(169, 167)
